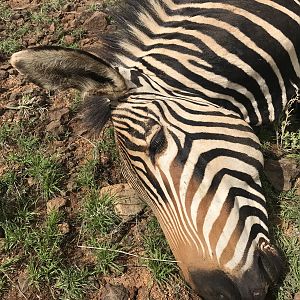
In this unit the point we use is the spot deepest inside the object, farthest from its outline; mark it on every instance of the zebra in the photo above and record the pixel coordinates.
(184, 83)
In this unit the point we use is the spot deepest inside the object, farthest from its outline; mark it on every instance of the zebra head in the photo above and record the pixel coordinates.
(195, 164)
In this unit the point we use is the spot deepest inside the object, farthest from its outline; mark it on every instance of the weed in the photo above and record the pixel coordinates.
(283, 136)
(157, 248)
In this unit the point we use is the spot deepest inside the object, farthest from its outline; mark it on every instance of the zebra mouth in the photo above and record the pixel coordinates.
(270, 264)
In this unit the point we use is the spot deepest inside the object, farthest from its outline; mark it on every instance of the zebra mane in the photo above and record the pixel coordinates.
(124, 15)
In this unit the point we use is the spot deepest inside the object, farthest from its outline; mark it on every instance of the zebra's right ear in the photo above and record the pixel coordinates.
(63, 68)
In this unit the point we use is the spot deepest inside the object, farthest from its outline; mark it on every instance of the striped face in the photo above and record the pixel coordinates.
(198, 169)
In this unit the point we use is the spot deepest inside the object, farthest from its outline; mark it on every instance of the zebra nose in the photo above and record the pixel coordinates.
(214, 285)
(270, 264)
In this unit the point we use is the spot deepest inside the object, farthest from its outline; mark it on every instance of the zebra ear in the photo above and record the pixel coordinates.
(62, 68)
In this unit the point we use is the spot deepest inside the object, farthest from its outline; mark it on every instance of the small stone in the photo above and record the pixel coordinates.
(55, 204)
(32, 41)
(52, 27)
(297, 296)
(64, 228)
(61, 115)
(30, 181)
(97, 22)
(127, 202)
(68, 7)
(13, 72)
(12, 98)
(3, 74)
(69, 39)
(115, 292)
(55, 127)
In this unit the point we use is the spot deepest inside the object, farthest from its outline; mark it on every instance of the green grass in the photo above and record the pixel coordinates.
(86, 176)
(157, 248)
(98, 214)
(72, 282)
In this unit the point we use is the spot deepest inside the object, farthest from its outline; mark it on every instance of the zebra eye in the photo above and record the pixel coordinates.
(158, 142)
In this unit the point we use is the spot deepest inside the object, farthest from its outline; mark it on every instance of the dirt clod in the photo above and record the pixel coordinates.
(127, 202)
(115, 292)
(55, 204)
(64, 228)
(97, 22)
(3, 74)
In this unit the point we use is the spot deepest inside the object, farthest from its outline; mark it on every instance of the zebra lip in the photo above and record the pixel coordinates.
(271, 265)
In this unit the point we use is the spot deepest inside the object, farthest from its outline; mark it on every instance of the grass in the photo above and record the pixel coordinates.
(157, 249)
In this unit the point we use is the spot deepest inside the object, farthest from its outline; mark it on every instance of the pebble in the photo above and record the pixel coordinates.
(3, 74)
(115, 292)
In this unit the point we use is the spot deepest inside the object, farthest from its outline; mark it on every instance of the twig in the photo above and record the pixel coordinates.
(15, 285)
(127, 253)
(18, 107)
(87, 140)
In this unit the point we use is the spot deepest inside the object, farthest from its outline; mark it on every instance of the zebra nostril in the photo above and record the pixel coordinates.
(270, 264)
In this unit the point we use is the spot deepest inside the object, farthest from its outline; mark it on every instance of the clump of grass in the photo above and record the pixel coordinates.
(99, 221)
(107, 145)
(98, 214)
(86, 174)
(105, 254)
(9, 45)
(43, 247)
(45, 171)
(72, 283)
(157, 248)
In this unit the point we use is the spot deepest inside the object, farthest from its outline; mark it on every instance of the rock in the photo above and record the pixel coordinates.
(55, 204)
(61, 115)
(297, 296)
(55, 127)
(69, 39)
(281, 173)
(127, 202)
(97, 22)
(52, 27)
(115, 292)
(3, 74)
(64, 228)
